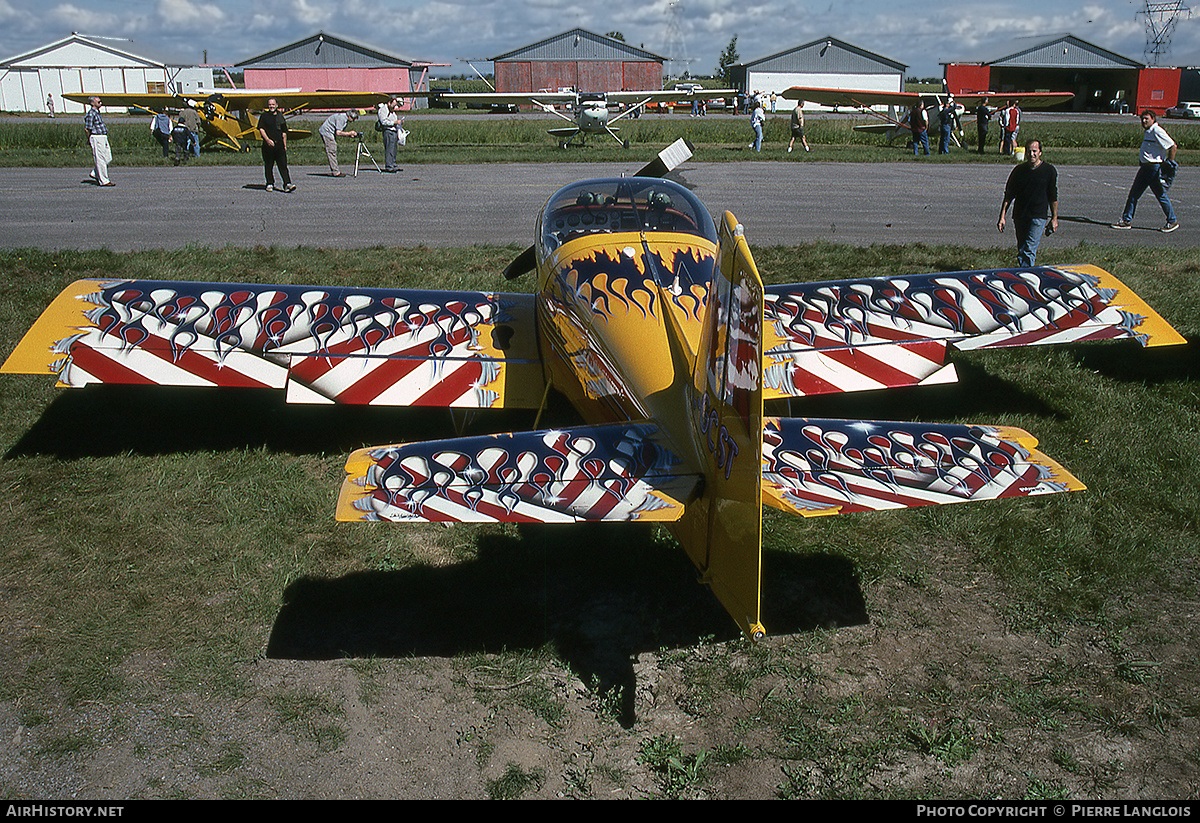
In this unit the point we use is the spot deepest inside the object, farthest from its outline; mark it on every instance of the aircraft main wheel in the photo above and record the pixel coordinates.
(624, 144)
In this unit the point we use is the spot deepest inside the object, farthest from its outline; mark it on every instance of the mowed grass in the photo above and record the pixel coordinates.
(500, 138)
(159, 540)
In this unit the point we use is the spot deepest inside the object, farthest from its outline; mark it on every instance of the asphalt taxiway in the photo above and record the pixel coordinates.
(779, 203)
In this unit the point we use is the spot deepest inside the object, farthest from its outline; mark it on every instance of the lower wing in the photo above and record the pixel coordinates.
(620, 472)
(818, 467)
(386, 347)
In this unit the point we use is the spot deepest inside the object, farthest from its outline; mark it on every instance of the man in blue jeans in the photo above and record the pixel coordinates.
(1156, 170)
(1032, 191)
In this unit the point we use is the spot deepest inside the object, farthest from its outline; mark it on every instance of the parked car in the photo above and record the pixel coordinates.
(1184, 110)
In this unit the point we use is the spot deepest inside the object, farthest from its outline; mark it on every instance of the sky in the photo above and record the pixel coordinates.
(919, 34)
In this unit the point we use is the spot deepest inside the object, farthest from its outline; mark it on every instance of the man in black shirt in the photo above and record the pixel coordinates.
(273, 130)
(982, 115)
(1032, 190)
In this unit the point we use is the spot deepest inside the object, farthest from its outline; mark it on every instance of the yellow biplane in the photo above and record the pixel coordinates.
(649, 316)
(228, 116)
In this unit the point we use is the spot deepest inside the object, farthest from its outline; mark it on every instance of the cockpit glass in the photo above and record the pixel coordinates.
(624, 204)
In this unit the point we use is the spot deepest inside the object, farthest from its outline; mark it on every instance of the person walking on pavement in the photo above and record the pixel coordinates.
(1156, 171)
(1032, 191)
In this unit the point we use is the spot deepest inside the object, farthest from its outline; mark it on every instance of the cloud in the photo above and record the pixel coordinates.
(189, 15)
(311, 14)
(74, 18)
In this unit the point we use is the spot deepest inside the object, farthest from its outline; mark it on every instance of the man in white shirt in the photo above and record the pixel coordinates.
(388, 121)
(1156, 161)
(97, 131)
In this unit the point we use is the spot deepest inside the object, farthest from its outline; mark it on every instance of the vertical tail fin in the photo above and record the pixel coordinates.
(727, 420)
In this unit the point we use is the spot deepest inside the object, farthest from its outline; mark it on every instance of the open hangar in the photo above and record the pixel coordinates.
(1101, 80)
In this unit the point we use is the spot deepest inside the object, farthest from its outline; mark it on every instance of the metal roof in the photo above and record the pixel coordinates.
(325, 50)
(114, 46)
(579, 44)
(827, 55)
(1064, 51)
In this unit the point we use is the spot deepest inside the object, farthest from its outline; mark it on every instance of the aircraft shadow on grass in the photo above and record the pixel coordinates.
(153, 420)
(599, 593)
(1174, 363)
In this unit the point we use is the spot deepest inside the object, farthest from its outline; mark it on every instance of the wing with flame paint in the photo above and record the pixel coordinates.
(322, 345)
(872, 333)
(616, 472)
(818, 467)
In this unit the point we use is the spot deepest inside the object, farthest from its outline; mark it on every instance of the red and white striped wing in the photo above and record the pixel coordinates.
(618, 472)
(872, 333)
(323, 345)
(817, 467)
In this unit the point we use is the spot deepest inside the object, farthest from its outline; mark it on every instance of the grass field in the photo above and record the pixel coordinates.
(497, 138)
(170, 555)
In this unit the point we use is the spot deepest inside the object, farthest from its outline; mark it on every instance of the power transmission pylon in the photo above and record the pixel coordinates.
(1161, 18)
(676, 50)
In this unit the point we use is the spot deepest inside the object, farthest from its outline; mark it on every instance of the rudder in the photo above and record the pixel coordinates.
(727, 414)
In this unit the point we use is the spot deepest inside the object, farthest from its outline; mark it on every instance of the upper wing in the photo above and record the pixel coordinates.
(871, 333)
(558, 98)
(323, 345)
(616, 472)
(862, 98)
(667, 95)
(851, 97)
(1026, 100)
(243, 100)
(818, 467)
(149, 101)
(250, 99)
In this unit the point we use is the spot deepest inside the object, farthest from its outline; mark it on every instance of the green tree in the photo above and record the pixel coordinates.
(729, 59)
(616, 35)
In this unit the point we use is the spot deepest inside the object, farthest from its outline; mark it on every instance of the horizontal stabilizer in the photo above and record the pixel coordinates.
(617, 472)
(870, 333)
(335, 345)
(818, 467)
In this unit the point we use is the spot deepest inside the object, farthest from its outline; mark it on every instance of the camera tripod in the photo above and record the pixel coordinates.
(362, 149)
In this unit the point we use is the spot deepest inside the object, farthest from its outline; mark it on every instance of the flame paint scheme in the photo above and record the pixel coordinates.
(652, 320)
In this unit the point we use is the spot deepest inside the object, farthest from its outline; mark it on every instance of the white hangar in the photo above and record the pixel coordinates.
(78, 64)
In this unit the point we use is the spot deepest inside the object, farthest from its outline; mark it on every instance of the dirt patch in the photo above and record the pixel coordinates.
(938, 693)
